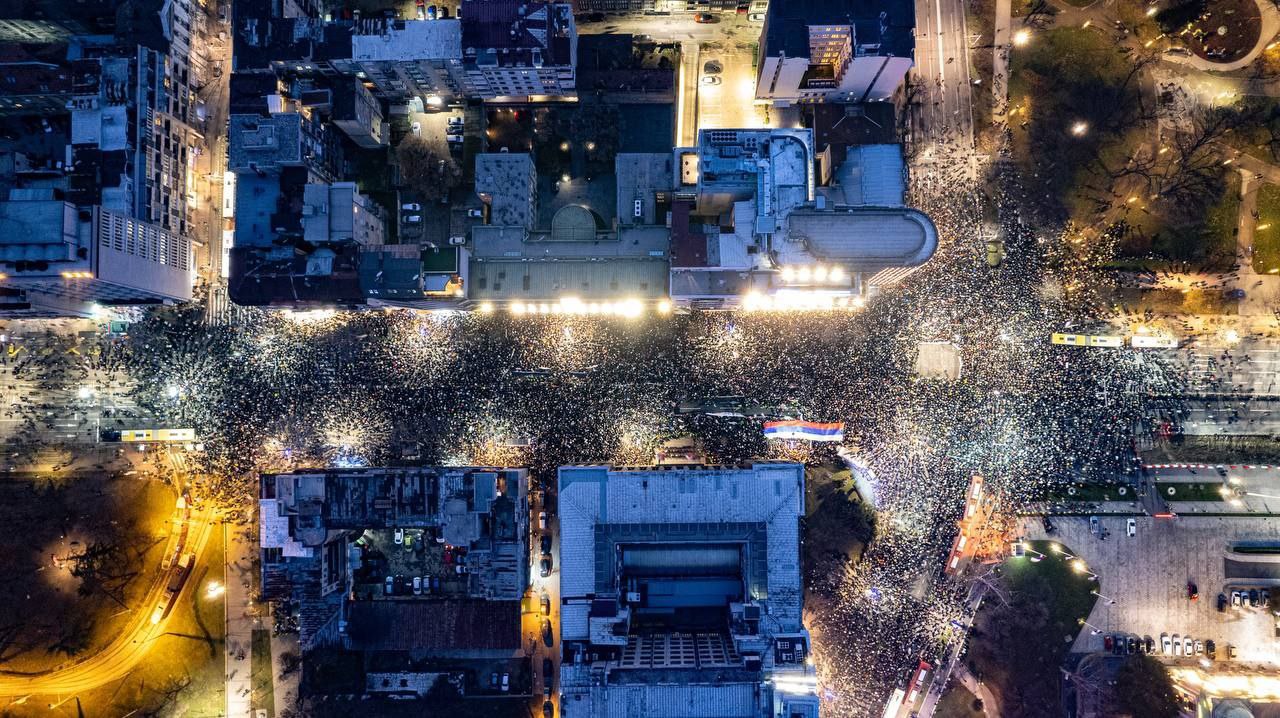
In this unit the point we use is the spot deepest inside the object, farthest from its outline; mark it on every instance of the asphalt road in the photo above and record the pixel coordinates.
(942, 65)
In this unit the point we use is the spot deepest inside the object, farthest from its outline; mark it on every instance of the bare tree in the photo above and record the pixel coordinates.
(426, 172)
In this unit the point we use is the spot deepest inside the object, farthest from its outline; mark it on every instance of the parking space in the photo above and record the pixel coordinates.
(1145, 579)
(417, 554)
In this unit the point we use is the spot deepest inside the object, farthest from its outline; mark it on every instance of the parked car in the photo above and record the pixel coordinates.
(493, 680)
(1166, 646)
(546, 605)
(426, 584)
(432, 12)
(506, 682)
(546, 566)
(711, 80)
(476, 213)
(1253, 598)
(756, 17)
(1131, 527)
(454, 130)
(1048, 525)
(411, 207)
(417, 585)
(1222, 602)
(1177, 645)
(388, 589)
(422, 13)
(1193, 593)
(1188, 646)
(705, 18)
(1150, 645)
(1199, 647)
(712, 67)
(547, 636)
(1108, 642)
(542, 520)
(548, 677)
(457, 240)
(413, 218)
(454, 139)
(1211, 649)
(1094, 525)
(1131, 645)
(546, 544)
(455, 121)
(1236, 600)
(399, 537)
(1231, 651)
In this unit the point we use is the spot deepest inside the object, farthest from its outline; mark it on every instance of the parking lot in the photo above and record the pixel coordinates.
(1147, 575)
(417, 555)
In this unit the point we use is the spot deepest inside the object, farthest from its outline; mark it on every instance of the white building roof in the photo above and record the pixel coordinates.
(419, 40)
(765, 492)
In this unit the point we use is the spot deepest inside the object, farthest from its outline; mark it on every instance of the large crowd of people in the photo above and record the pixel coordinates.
(276, 390)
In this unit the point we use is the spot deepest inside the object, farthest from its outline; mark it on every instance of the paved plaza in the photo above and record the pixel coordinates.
(1147, 576)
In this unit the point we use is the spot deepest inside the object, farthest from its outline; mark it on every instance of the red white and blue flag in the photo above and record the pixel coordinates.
(805, 430)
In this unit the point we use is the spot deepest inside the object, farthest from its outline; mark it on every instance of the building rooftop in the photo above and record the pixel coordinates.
(517, 33)
(510, 264)
(873, 175)
(264, 143)
(508, 183)
(39, 231)
(409, 40)
(863, 239)
(880, 27)
(702, 499)
(433, 627)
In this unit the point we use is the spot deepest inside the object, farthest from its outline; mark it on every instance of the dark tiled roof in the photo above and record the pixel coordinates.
(453, 625)
(517, 26)
(688, 247)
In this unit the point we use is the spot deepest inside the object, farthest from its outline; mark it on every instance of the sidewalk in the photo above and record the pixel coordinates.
(240, 553)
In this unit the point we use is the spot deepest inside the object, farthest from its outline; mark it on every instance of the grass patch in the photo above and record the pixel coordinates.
(1187, 491)
(1021, 636)
(1070, 77)
(1176, 301)
(1257, 550)
(1266, 234)
(958, 702)
(1092, 492)
(1220, 449)
(263, 686)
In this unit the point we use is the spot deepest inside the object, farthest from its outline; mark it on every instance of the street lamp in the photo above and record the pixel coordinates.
(1079, 567)
(1021, 37)
(1094, 630)
(1110, 601)
(1080, 128)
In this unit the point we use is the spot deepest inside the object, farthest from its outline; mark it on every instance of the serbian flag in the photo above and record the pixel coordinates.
(806, 430)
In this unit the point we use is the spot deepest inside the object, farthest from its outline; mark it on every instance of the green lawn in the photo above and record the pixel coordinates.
(1191, 492)
(1093, 492)
(263, 686)
(1063, 77)
(1018, 646)
(958, 702)
(1266, 234)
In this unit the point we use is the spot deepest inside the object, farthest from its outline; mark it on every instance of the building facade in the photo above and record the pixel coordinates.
(84, 256)
(835, 50)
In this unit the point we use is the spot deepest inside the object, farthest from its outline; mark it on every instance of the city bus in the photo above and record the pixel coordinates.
(161, 435)
(1102, 340)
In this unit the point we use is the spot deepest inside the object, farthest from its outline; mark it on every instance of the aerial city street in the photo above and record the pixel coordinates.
(631, 358)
